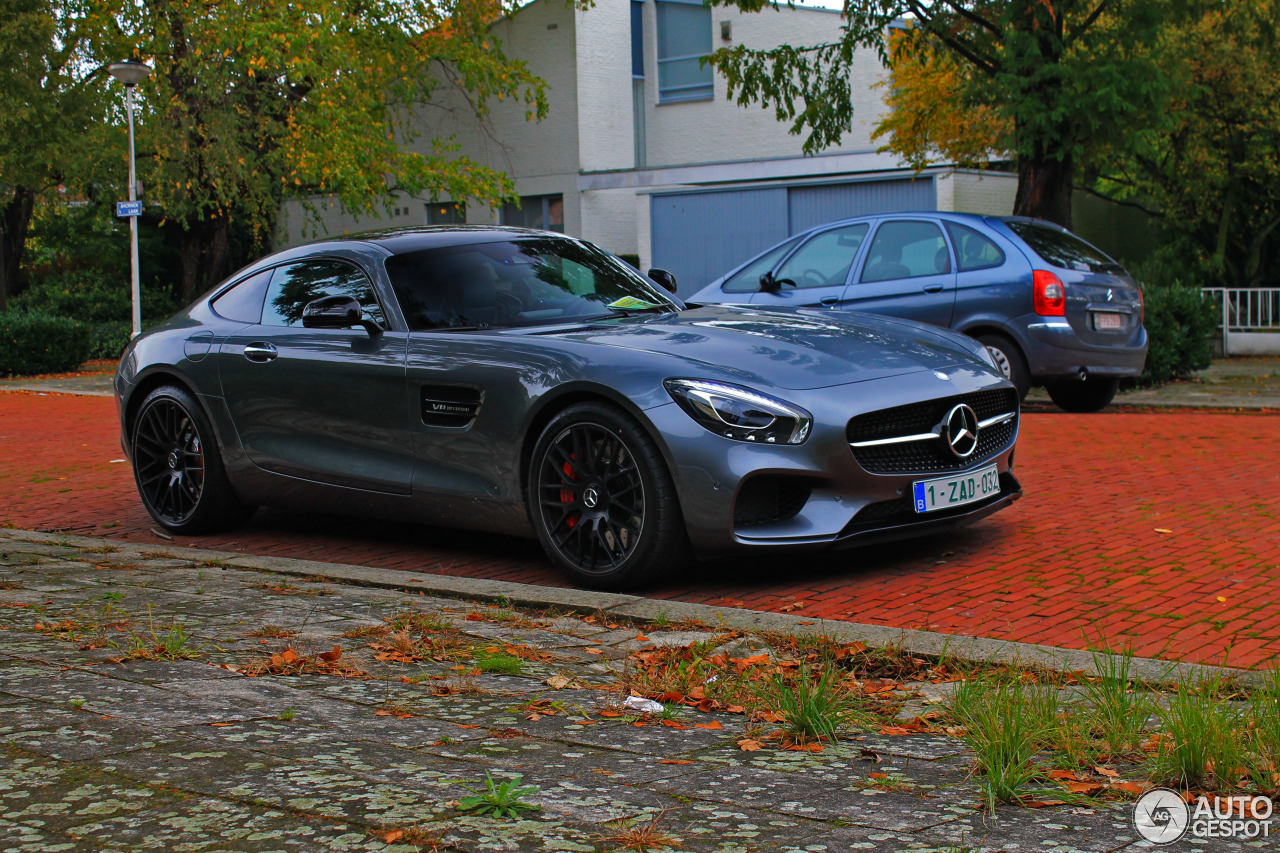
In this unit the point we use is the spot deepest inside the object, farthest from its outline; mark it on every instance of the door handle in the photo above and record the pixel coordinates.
(260, 352)
(829, 301)
(933, 288)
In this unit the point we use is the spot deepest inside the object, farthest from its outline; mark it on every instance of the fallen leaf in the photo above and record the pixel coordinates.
(221, 725)
(1129, 787)
(807, 747)
(795, 605)
(749, 745)
(770, 717)
(713, 726)
(1089, 789)
(895, 730)
(675, 761)
(289, 656)
(879, 775)
(641, 638)
(332, 656)
(1221, 598)
(393, 836)
(609, 713)
(1039, 804)
(870, 755)
(1062, 774)
(1164, 530)
(672, 724)
(1106, 771)
(557, 682)
(736, 709)
(594, 651)
(697, 693)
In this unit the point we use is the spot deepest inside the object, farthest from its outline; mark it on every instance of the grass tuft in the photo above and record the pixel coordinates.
(813, 707)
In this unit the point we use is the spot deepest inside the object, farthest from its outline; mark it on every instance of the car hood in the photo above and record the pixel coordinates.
(793, 349)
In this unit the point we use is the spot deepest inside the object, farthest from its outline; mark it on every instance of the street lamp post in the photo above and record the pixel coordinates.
(131, 73)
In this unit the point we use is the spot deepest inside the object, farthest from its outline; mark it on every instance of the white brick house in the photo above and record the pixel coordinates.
(644, 154)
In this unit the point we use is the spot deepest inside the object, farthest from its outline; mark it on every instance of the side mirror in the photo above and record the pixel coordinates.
(336, 312)
(768, 284)
(664, 279)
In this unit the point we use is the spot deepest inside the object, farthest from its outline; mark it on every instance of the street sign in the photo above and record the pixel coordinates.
(128, 208)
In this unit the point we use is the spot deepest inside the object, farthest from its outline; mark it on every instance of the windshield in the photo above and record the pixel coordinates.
(1063, 249)
(537, 281)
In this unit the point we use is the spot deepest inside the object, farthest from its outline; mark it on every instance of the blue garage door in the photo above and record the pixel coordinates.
(700, 236)
(814, 205)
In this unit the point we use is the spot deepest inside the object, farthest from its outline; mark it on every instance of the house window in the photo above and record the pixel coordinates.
(544, 212)
(684, 36)
(447, 213)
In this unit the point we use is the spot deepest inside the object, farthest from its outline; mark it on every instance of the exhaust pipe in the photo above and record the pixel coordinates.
(1084, 374)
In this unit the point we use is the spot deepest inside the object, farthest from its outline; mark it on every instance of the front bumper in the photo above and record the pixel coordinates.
(713, 472)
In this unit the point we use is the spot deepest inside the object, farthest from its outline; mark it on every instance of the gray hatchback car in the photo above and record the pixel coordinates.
(1052, 309)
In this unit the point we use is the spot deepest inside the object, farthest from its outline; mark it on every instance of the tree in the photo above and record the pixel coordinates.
(256, 103)
(1067, 73)
(50, 105)
(1213, 173)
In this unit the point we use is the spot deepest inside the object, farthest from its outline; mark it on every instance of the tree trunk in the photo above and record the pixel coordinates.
(206, 254)
(1044, 188)
(15, 219)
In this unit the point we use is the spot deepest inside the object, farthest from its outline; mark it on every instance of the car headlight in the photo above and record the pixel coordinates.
(740, 413)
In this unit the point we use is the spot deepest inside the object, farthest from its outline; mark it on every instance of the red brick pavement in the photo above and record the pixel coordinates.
(1081, 560)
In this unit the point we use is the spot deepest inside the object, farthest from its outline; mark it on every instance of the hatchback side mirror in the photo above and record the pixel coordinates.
(663, 278)
(336, 312)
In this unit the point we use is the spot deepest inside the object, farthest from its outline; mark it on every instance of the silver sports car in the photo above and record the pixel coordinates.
(525, 382)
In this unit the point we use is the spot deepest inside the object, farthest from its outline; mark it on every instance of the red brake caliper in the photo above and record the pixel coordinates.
(566, 495)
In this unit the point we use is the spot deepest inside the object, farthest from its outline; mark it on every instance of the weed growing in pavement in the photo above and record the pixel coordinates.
(1200, 742)
(288, 714)
(1006, 723)
(284, 587)
(500, 799)
(813, 707)
(637, 836)
(172, 644)
(365, 632)
(1262, 736)
(272, 632)
(500, 664)
(422, 623)
(1118, 714)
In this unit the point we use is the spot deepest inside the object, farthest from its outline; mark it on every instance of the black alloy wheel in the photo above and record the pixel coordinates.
(601, 499)
(177, 466)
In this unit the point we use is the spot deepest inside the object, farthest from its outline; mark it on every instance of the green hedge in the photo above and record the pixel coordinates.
(1180, 324)
(32, 343)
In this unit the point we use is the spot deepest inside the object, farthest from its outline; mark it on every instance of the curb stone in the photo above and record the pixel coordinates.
(927, 643)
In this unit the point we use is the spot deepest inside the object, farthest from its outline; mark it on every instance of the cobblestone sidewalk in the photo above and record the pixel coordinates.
(129, 722)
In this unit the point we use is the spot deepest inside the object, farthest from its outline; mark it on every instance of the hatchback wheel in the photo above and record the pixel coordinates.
(178, 467)
(602, 501)
(1091, 395)
(1010, 361)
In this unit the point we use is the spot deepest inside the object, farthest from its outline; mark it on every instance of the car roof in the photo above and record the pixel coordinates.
(412, 238)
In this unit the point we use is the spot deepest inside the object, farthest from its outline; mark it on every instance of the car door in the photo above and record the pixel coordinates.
(327, 405)
(816, 273)
(907, 272)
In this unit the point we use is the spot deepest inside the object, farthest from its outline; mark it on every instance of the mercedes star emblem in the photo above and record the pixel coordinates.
(590, 498)
(960, 431)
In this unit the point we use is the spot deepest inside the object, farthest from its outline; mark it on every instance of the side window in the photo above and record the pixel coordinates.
(295, 285)
(824, 261)
(906, 250)
(748, 279)
(243, 302)
(973, 250)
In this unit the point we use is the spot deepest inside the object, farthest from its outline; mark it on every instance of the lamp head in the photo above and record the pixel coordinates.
(130, 72)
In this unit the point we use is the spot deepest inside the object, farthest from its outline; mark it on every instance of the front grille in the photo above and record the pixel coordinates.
(902, 510)
(918, 418)
(768, 499)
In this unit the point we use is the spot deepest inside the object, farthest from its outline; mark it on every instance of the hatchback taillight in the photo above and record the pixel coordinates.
(1049, 294)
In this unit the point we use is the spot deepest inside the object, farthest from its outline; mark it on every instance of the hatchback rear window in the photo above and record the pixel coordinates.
(1062, 248)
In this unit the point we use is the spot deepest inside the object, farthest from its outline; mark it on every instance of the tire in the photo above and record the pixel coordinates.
(178, 468)
(1010, 361)
(615, 521)
(1091, 395)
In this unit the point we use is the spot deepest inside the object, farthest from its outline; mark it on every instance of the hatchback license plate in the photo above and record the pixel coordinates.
(946, 492)
(1108, 320)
